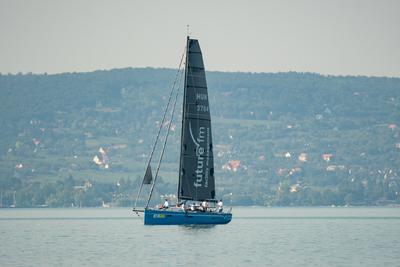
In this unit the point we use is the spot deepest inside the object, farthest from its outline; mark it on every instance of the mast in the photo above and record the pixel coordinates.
(183, 114)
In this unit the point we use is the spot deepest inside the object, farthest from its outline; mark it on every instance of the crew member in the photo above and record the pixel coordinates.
(220, 205)
(165, 205)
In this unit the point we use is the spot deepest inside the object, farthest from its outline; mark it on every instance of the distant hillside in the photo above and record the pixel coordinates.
(280, 138)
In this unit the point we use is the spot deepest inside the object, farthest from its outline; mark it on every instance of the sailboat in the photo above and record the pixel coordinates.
(196, 166)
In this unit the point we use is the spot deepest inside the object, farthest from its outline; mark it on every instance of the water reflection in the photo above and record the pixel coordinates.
(197, 226)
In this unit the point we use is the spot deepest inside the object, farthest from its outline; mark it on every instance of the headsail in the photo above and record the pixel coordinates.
(196, 175)
(148, 177)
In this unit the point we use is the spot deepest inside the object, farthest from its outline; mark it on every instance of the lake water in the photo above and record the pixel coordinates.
(255, 237)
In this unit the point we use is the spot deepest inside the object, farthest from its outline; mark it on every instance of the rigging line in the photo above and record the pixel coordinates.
(161, 125)
(165, 142)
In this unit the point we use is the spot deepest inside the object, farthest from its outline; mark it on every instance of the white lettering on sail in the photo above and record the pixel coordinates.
(202, 108)
(201, 96)
(200, 155)
(208, 158)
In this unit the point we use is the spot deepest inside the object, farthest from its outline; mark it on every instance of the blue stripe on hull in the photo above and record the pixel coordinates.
(165, 217)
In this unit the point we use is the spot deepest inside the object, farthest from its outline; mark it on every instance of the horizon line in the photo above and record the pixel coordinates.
(171, 68)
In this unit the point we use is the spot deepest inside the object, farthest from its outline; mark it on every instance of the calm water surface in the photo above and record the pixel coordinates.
(255, 237)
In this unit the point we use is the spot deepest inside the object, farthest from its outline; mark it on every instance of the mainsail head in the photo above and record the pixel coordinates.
(196, 175)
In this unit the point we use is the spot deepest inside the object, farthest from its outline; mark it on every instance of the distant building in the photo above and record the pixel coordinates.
(232, 165)
(303, 157)
(102, 159)
(327, 157)
(84, 187)
(294, 170)
(19, 166)
(293, 188)
(319, 117)
(332, 168)
(96, 160)
(36, 141)
(281, 171)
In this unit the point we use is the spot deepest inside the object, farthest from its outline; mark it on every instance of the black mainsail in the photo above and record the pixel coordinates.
(196, 168)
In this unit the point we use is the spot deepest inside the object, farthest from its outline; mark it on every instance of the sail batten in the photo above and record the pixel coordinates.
(196, 175)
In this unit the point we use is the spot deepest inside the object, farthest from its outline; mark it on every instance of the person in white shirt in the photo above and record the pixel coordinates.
(165, 205)
(204, 205)
(220, 205)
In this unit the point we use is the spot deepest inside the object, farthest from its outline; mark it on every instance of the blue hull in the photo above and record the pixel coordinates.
(167, 217)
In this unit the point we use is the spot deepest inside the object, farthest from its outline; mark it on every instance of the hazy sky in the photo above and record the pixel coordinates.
(329, 37)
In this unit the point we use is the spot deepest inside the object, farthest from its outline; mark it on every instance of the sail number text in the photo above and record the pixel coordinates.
(202, 108)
